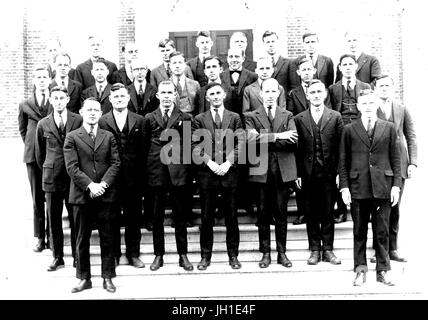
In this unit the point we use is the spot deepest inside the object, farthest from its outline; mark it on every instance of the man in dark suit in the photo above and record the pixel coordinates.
(101, 89)
(84, 73)
(204, 44)
(93, 163)
(163, 72)
(274, 129)
(393, 111)
(30, 112)
(167, 171)
(217, 162)
(239, 39)
(128, 130)
(62, 64)
(368, 68)
(320, 130)
(50, 137)
(297, 100)
(343, 98)
(252, 100)
(370, 180)
(323, 65)
(125, 75)
(281, 65)
(142, 94)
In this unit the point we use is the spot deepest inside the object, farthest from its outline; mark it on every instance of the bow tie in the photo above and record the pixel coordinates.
(236, 71)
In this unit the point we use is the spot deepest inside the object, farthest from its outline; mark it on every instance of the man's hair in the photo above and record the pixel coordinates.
(347, 55)
(384, 76)
(270, 80)
(167, 83)
(59, 89)
(302, 61)
(264, 58)
(308, 34)
(220, 63)
(365, 92)
(238, 33)
(62, 54)
(118, 86)
(212, 85)
(90, 99)
(41, 67)
(203, 34)
(269, 33)
(165, 42)
(316, 81)
(236, 48)
(100, 61)
(175, 54)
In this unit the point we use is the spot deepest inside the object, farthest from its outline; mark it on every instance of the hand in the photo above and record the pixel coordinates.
(214, 167)
(346, 196)
(290, 135)
(224, 168)
(299, 183)
(395, 195)
(410, 170)
(96, 189)
(337, 181)
(104, 184)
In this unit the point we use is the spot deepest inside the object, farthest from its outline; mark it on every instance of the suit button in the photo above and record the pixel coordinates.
(94, 170)
(371, 166)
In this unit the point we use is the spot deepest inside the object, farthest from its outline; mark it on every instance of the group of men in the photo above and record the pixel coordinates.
(108, 143)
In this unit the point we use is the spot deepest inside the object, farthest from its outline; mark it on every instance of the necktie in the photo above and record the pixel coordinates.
(166, 117)
(91, 133)
(217, 119)
(270, 116)
(100, 92)
(61, 123)
(42, 104)
(348, 87)
(179, 88)
(140, 91)
(273, 62)
(63, 83)
(168, 70)
(369, 127)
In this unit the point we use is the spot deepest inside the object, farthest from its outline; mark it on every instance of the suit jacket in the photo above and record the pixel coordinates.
(74, 92)
(231, 123)
(335, 93)
(150, 101)
(204, 105)
(297, 101)
(369, 170)
(282, 72)
(404, 127)
(84, 76)
(368, 69)
(176, 172)
(50, 154)
(120, 76)
(104, 100)
(284, 150)
(159, 74)
(28, 117)
(325, 71)
(330, 132)
(89, 161)
(192, 87)
(252, 99)
(202, 79)
(132, 152)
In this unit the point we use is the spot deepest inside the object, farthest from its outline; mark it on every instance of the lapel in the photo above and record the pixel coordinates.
(398, 113)
(227, 116)
(361, 131)
(326, 117)
(99, 138)
(133, 96)
(85, 137)
(146, 96)
(358, 88)
(263, 118)
(109, 118)
(131, 121)
(279, 119)
(70, 121)
(33, 105)
(89, 64)
(362, 59)
(378, 132)
(338, 94)
(278, 66)
(122, 75)
(193, 64)
(256, 90)
(53, 127)
(226, 77)
(242, 79)
(301, 96)
(209, 122)
(106, 92)
(320, 64)
(163, 72)
(158, 117)
(174, 116)
(71, 86)
(306, 115)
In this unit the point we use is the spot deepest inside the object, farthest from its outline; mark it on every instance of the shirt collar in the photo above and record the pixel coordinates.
(366, 120)
(352, 84)
(169, 110)
(314, 57)
(122, 114)
(103, 85)
(317, 109)
(273, 110)
(137, 85)
(88, 128)
(220, 111)
(63, 116)
(58, 81)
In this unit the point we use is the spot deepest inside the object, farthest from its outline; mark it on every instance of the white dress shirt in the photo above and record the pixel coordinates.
(169, 111)
(220, 112)
(57, 117)
(182, 81)
(351, 84)
(88, 128)
(59, 81)
(386, 107)
(317, 112)
(39, 97)
(273, 110)
(120, 118)
(365, 122)
(137, 85)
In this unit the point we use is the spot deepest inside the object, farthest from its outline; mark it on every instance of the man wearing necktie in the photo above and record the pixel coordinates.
(50, 137)
(273, 128)
(30, 112)
(204, 44)
(370, 181)
(166, 175)
(128, 130)
(93, 164)
(217, 160)
(320, 130)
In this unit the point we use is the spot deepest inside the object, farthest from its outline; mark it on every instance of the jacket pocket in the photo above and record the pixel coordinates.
(389, 173)
(48, 172)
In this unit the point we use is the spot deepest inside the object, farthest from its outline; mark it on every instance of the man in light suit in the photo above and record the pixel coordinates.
(252, 100)
(368, 68)
(274, 127)
(30, 112)
(391, 110)
(100, 90)
(93, 163)
(204, 44)
(323, 65)
(62, 62)
(370, 180)
(320, 130)
(84, 70)
(50, 137)
(281, 65)
(168, 173)
(163, 71)
(217, 163)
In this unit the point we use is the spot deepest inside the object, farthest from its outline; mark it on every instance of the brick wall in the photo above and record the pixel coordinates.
(126, 25)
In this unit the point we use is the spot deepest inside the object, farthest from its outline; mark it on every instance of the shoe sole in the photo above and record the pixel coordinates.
(59, 267)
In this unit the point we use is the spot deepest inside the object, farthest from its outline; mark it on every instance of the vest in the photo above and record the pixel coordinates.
(122, 135)
(318, 161)
(184, 100)
(349, 109)
(44, 109)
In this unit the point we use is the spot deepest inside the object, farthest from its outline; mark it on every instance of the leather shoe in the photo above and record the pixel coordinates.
(234, 262)
(393, 255)
(56, 264)
(108, 285)
(299, 220)
(136, 262)
(204, 264)
(314, 258)
(341, 218)
(83, 285)
(283, 260)
(381, 276)
(360, 279)
(329, 256)
(40, 246)
(373, 259)
(157, 263)
(185, 263)
(265, 261)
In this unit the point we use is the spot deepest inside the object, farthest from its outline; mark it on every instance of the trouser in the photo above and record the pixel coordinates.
(103, 215)
(209, 198)
(380, 211)
(54, 206)
(394, 221)
(41, 223)
(177, 195)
